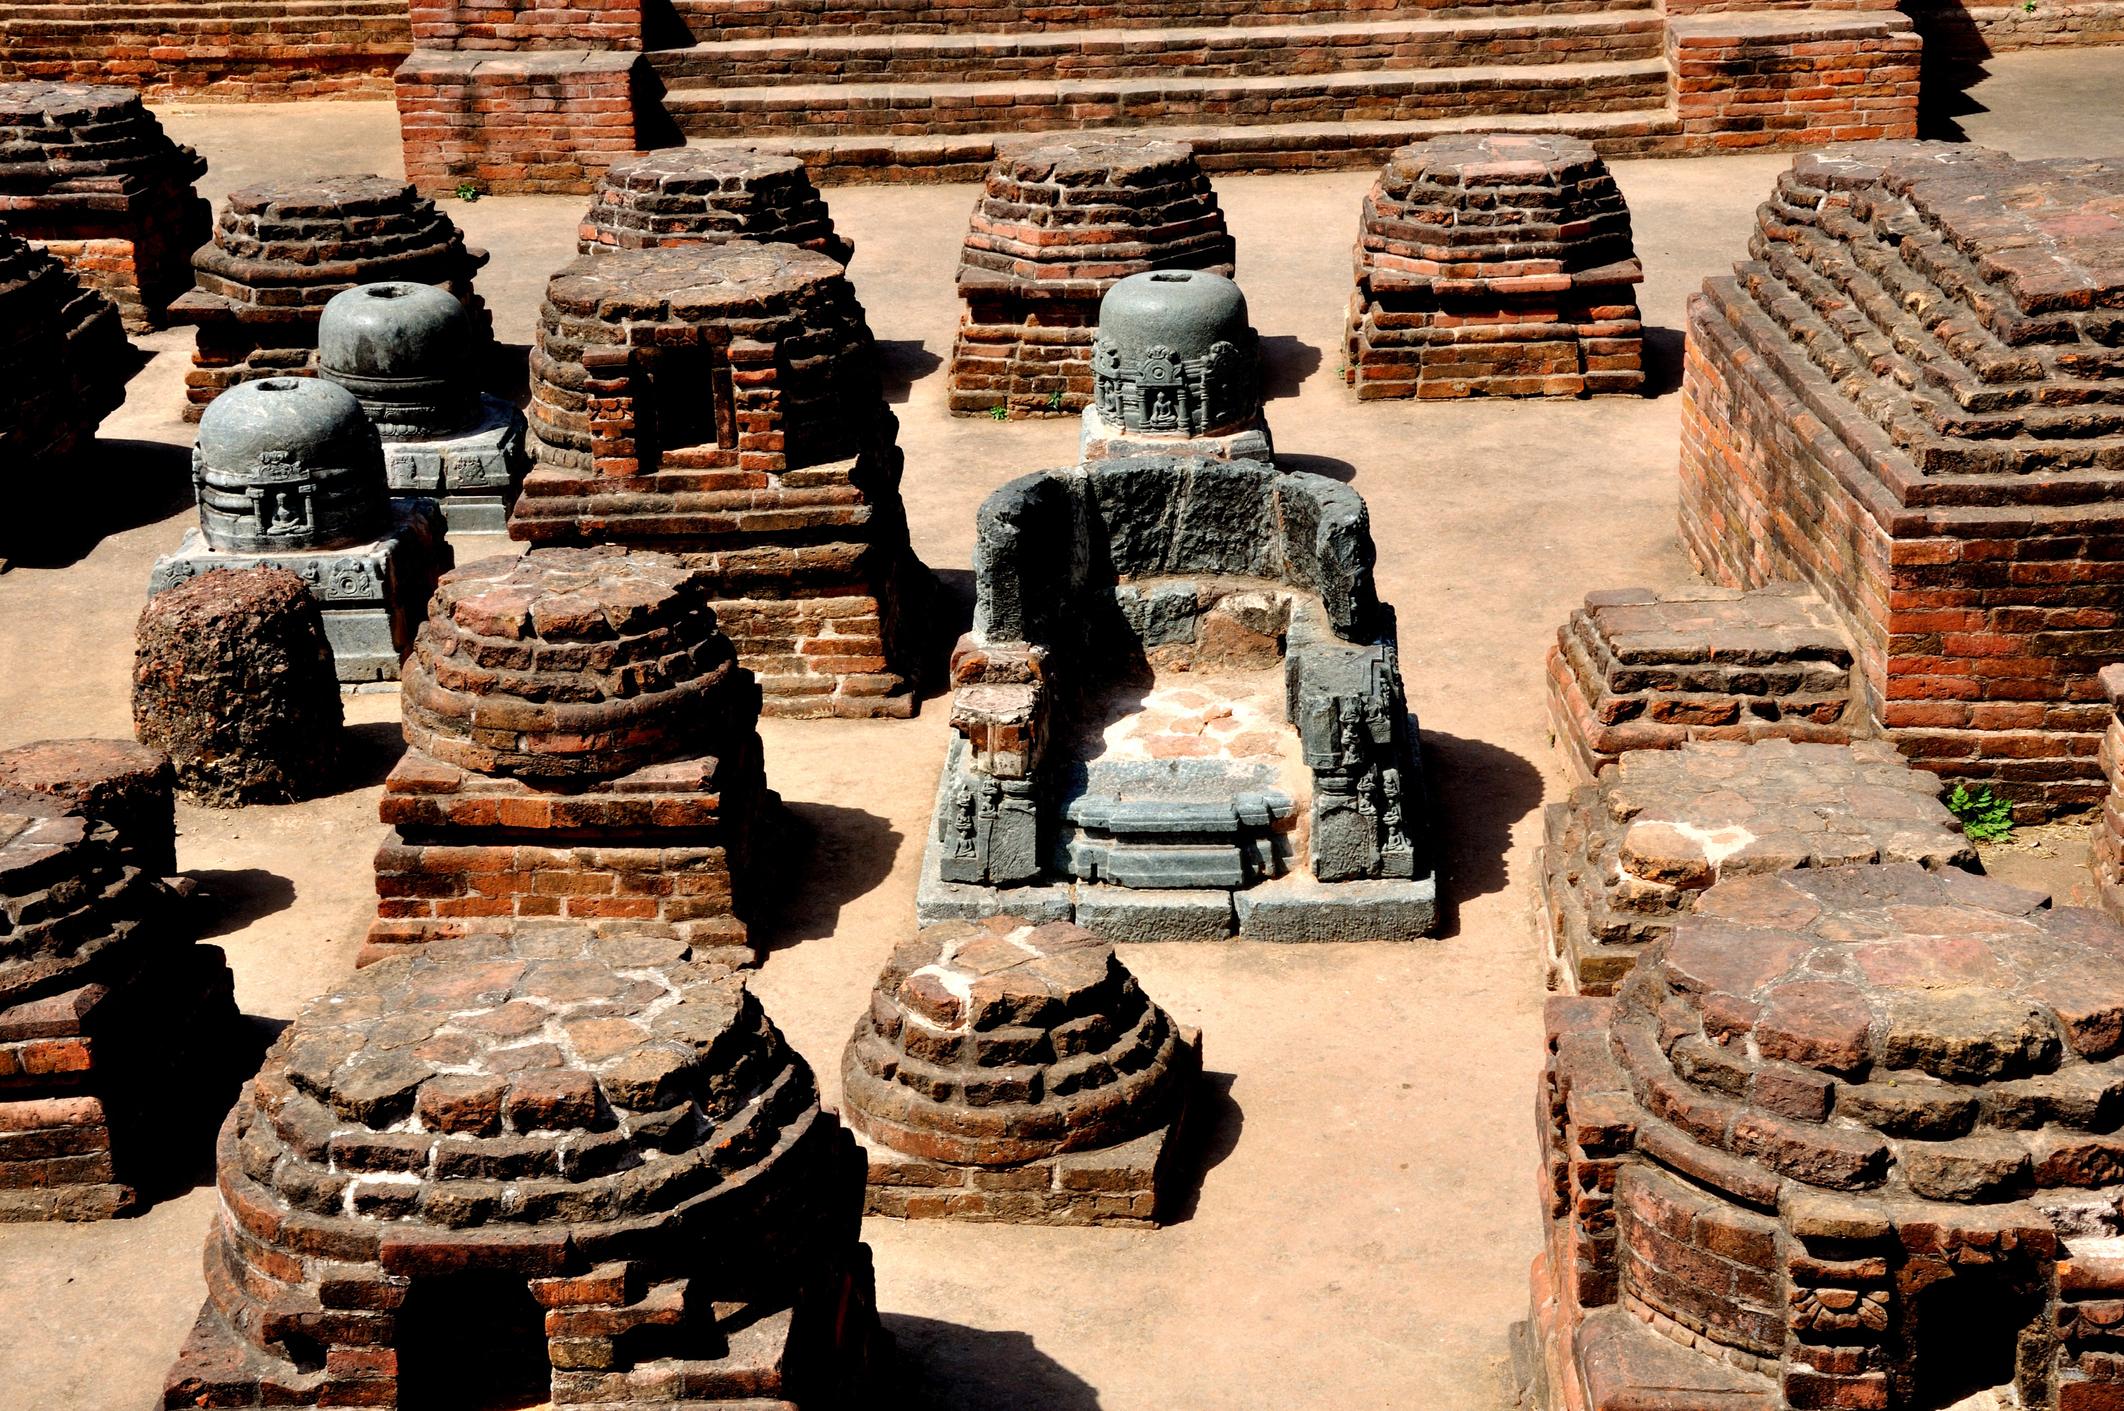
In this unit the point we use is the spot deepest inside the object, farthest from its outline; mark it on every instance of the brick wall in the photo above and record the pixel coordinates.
(261, 50)
(1953, 30)
(544, 122)
(1793, 79)
(1694, 1263)
(511, 25)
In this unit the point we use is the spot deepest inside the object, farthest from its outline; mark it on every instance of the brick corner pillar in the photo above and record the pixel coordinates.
(1792, 78)
(548, 121)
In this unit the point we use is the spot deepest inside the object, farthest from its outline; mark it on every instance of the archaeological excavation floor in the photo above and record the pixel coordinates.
(1363, 1231)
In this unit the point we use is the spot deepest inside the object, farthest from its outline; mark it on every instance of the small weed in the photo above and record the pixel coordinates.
(2028, 6)
(1985, 817)
(466, 191)
(1054, 401)
(999, 412)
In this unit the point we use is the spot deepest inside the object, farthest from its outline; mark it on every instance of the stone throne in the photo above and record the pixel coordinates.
(1180, 713)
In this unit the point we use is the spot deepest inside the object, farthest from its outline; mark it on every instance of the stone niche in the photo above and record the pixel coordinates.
(723, 403)
(697, 195)
(1847, 1138)
(280, 253)
(1626, 857)
(1638, 670)
(1909, 398)
(111, 1024)
(409, 354)
(581, 745)
(1059, 222)
(544, 1169)
(87, 173)
(1007, 1071)
(1176, 370)
(1180, 714)
(290, 474)
(64, 360)
(1495, 265)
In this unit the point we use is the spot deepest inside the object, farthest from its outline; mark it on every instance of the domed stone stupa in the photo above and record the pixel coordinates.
(1176, 369)
(1007, 1071)
(552, 1165)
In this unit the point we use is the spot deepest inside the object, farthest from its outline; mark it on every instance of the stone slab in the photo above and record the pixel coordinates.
(1299, 908)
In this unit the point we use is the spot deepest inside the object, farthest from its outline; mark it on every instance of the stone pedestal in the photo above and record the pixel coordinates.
(1496, 265)
(87, 173)
(1102, 438)
(695, 195)
(471, 477)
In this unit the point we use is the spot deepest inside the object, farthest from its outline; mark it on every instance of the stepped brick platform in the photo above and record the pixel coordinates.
(2108, 853)
(1847, 1138)
(1635, 670)
(280, 253)
(1058, 223)
(581, 745)
(232, 50)
(127, 785)
(1496, 266)
(539, 1169)
(88, 174)
(685, 194)
(64, 360)
(109, 1023)
(1908, 398)
(723, 403)
(1007, 1071)
(1625, 858)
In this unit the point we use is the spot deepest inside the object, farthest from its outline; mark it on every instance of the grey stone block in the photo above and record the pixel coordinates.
(1126, 914)
(473, 474)
(938, 900)
(1300, 908)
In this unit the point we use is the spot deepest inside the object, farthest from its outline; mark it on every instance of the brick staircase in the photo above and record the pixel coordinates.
(866, 94)
(268, 50)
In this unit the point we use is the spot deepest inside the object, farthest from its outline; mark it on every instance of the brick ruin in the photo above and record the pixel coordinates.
(581, 746)
(1058, 223)
(1179, 714)
(1494, 266)
(281, 252)
(88, 174)
(110, 1021)
(1904, 398)
(233, 680)
(688, 194)
(64, 358)
(1622, 860)
(2108, 852)
(127, 785)
(1638, 670)
(270, 51)
(724, 403)
(409, 354)
(1007, 1071)
(571, 1170)
(1845, 1139)
(289, 474)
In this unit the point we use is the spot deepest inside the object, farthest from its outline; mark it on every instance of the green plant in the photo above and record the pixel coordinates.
(466, 191)
(999, 412)
(1985, 817)
(1054, 400)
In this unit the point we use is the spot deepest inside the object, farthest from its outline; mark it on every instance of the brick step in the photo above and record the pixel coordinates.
(1226, 51)
(1259, 147)
(958, 109)
(36, 17)
(721, 20)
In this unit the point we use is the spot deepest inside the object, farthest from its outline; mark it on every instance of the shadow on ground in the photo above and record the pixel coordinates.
(946, 1367)
(949, 616)
(1479, 791)
(1286, 362)
(368, 751)
(137, 482)
(172, 1144)
(1333, 467)
(1663, 360)
(826, 856)
(1214, 1122)
(904, 362)
(230, 899)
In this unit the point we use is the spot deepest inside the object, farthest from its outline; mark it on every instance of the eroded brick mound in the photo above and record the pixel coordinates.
(280, 253)
(129, 786)
(87, 172)
(609, 1124)
(1833, 1109)
(1058, 223)
(1637, 670)
(1906, 398)
(69, 897)
(1627, 857)
(2108, 852)
(570, 664)
(996, 1042)
(1495, 265)
(63, 358)
(686, 194)
(233, 680)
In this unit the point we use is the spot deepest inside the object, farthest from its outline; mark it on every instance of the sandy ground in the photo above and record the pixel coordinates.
(1367, 1212)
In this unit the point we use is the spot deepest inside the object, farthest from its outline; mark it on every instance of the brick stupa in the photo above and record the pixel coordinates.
(580, 745)
(64, 360)
(1497, 265)
(1908, 398)
(723, 403)
(280, 252)
(688, 195)
(88, 173)
(1058, 223)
